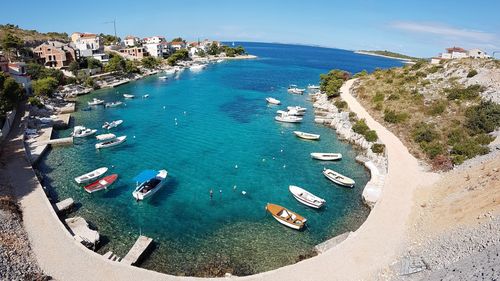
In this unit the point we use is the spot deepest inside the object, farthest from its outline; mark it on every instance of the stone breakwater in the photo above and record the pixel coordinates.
(328, 114)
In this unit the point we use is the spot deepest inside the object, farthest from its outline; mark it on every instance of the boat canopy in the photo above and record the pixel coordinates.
(145, 175)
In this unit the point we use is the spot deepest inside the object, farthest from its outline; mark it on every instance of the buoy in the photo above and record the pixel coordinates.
(274, 158)
(244, 192)
(164, 107)
(175, 123)
(284, 166)
(236, 166)
(263, 159)
(175, 118)
(134, 137)
(234, 187)
(281, 150)
(184, 112)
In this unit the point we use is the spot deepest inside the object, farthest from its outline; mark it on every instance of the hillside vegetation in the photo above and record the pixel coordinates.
(445, 113)
(391, 54)
(31, 37)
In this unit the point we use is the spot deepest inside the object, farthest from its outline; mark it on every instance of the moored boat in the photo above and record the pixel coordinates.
(91, 175)
(286, 217)
(101, 184)
(307, 136)
(150, 186)
(338, 178)
(113, 104)
(293, 89)
(325, 156)
(313, 87)
(103, 137)
(95, 102)
(163, 77)
(81, 132)
(306, 198)
(283, 116)
(128, 96)
(272, 100)
(296, 108)
(111, 143)
(112, 124)
(197, 67)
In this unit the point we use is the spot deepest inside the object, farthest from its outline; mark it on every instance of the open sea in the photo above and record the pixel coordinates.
(213, 130)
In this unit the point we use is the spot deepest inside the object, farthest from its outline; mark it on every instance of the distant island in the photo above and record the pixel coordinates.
(388, 54)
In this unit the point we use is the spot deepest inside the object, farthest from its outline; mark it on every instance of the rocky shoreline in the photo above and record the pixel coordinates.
(328, 114)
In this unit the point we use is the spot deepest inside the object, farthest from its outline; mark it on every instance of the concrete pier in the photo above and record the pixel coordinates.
(135, 253)
(64, 205)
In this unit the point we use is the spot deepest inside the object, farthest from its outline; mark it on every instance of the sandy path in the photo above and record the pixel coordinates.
(368, 250)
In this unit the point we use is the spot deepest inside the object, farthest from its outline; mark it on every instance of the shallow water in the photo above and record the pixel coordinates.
(213, 130)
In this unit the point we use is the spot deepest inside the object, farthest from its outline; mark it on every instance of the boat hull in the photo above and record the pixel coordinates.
(138, 195)
(276, 210)
(326, 156)
(307, 203)
(332, 178)
(313, 201)
(101, 184)
(286, 120)
(306, 136)
(91, 175)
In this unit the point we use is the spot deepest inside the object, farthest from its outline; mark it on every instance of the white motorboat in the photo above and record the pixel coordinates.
(306, 198)
(95, 102)
(113, 124)
(151, 186)
(197, 67)
(326, 156)
(297, 108)
(113, 104)
(307, 136)
(272, 100)
(338, 178)
(91, 175)
(219, 61)
(103, 137)
(295, 112)
(163, 77)
(128, 96)
(170, 71)
(293, 89)
(313, 87)
(81, 132)
(283, 116)
(111, 143)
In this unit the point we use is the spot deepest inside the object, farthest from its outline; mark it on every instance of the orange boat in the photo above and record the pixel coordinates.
(101, 184)
(286, 217)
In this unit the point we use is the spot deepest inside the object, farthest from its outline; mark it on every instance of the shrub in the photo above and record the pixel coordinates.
(435, 68)
(45, 86)
(423, 132)
(340, 104)
(460, 93)
(469, 148)
(378, 148)
(331, 82)
(484, 139)
(352, 116)
(472, 73)
(456, 135)
(393, 97)
(360, 74)
(420, 74)
(360, 127)
(483, 118)
(371, 136)
(418, 65)
(432, 149)
(437, 108)
(35, 102)
(378, 97)
(392, 116)
(379, 106)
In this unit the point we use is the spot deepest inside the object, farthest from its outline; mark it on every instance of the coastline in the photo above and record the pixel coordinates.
(403, 172)
(409, 61)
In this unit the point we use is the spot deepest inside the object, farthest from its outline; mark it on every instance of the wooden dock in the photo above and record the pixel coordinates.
(135, 253)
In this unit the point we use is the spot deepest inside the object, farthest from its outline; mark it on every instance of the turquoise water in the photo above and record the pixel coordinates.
(214, 130)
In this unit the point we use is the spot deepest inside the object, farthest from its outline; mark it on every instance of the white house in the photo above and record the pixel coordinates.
(154, 49)
(477, 53)
(89, 45)
(131, 41)
(153, 40)
(178, 45)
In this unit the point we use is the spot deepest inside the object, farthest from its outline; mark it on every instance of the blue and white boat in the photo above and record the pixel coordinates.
(150, 186)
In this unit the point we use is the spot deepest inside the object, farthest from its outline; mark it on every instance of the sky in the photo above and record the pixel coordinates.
(419, 28)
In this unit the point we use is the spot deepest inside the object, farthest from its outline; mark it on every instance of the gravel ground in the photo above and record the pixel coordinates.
(471, 253)
(16, 259)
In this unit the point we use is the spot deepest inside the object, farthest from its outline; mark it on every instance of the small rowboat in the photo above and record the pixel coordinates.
(128, 96)
(151, 186)
(101, 184)
(163, 77)
(326, 156)
(81, 132)
(95, 102)
(112, 124)
(113, 104)
(91, 175)
(306, 136)
(272, 101)
(111, 143)
(305, 197)
(286, 217)
(103, 137)
(338, 178)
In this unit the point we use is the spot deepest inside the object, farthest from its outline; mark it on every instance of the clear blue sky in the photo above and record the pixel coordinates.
(421, 28)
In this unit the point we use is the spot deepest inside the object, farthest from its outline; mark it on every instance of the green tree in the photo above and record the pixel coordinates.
(10, 93)
(116, 63)
(45, 86)
(34, 70)
(74, 67)
(178, 39)
(93, 63)
(177, 56)
(331, 82)
(110, 39)
(150, 62)
(130, 67)
(11, 44)
(213, 49)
